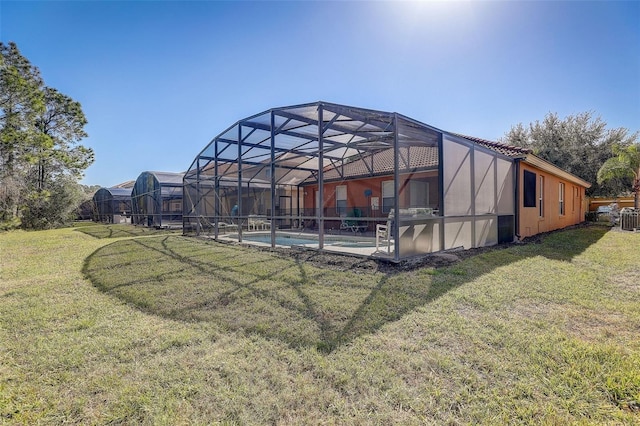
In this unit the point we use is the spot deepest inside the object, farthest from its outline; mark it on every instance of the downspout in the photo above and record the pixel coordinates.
(516, 199)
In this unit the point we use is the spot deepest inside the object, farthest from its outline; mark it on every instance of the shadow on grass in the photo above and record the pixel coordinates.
(298, 302)
(121, 230)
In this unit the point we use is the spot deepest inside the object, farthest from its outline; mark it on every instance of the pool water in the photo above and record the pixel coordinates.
(282, 240)
(290, 240)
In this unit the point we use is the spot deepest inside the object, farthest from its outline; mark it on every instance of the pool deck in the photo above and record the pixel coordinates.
(367, 250)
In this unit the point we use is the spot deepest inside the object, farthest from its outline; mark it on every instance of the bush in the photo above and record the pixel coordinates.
(52, 208)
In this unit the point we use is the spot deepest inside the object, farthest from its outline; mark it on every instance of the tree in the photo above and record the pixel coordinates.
(58, 128)
(579, 144)
(21, 99)
(11, 193)
(40, 131)
(626, 164)
(87, 209)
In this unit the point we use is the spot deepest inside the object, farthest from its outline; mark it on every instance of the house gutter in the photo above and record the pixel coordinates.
(550, 168)
(516, 199)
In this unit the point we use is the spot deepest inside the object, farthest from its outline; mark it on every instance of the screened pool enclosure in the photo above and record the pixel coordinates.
(112, 205)
(334, 177)
(156, 199)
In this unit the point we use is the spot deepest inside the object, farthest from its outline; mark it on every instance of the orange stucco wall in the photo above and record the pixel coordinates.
(356, 190)
(531, 222)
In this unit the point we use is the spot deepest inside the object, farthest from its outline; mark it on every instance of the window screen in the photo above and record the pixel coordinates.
(529, 183)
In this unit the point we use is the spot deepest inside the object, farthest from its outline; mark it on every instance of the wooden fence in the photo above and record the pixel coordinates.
(594, 202)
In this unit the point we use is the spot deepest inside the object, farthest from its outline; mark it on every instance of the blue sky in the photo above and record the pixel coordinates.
(158, 80)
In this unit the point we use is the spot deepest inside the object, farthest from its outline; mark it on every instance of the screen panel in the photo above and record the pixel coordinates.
(457, 178)
(486, 231)
(505, 186)
(457, 233)
(485, 182)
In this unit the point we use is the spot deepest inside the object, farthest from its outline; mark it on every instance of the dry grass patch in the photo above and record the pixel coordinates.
(627, 281)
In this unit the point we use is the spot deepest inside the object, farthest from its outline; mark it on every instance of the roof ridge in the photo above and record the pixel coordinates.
(494, 143)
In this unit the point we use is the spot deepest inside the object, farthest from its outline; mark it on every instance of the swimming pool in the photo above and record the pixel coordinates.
(304, 240)
(281, 240)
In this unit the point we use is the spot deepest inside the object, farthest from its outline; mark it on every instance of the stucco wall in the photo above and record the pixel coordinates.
(356, 191)
(531, 222)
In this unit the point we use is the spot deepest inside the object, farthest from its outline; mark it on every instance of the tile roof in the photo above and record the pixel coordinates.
(508, 150)
(420, 157)
(381, 162)
(128, 184)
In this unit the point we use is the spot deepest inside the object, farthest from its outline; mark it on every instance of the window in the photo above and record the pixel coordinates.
(561, 198)
(541, 197)
(341, 199)
(529, 192)
(388, 198)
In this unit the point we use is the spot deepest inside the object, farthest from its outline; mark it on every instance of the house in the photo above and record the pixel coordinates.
(344, 177)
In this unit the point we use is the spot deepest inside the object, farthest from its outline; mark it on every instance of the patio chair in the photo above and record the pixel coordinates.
(383, 233)
(350, 224)
(258, 222)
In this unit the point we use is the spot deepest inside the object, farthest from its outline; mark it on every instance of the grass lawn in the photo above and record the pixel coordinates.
(116, 324)
(120, 230)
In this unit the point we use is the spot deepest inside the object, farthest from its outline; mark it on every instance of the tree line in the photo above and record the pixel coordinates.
(583, 145)
(41, 159)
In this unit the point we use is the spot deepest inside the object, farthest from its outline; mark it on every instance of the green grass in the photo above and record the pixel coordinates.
(172, 330)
